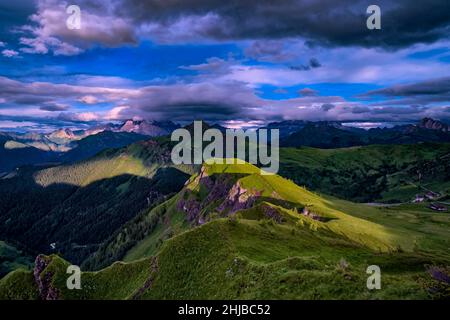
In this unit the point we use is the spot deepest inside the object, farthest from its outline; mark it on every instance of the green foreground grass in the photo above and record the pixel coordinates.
(244, 259)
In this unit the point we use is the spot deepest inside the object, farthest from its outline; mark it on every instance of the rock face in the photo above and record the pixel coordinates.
(287, 127)
(223, 190)
(46, 290)
(428, 123)
(148, 128)
(308, 213)
(149, 282)
(62, 134)
(238, 199)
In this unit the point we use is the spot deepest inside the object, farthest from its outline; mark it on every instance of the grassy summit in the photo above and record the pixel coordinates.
(221, 190)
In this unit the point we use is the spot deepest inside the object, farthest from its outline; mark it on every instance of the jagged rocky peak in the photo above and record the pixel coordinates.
(287, 127)
(131, 125)
(147, 127)
(429, 123)
(43, 278)
(62, 134)
(224, 191)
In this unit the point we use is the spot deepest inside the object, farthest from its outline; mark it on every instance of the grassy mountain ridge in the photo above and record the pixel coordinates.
(336, 135)
(245, 259)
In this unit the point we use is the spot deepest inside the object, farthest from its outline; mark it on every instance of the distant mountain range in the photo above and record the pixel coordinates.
(66, 145)
(428, 123)
(65, 139)
(148, 128)
(287, 127)
(336, 135)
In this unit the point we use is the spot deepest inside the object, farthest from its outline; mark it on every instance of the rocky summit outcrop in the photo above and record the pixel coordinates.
(238, 198)
(43, 278)
(148, 128)
(221, 193)
(62, 134)
(428, 123)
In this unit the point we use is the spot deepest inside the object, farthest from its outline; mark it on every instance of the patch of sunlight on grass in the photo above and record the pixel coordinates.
(84, 173)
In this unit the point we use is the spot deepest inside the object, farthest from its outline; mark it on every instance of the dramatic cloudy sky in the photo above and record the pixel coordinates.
(233, 61)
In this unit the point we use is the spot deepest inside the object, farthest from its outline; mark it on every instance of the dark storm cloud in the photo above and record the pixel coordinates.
(312, 64)
(398, 111)
(404, 22)
(323, 22)
(360, 109)
(327, 107)
(196, 100)
(54, 107)
(29, 99)
(424, 92)
(440, 86)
